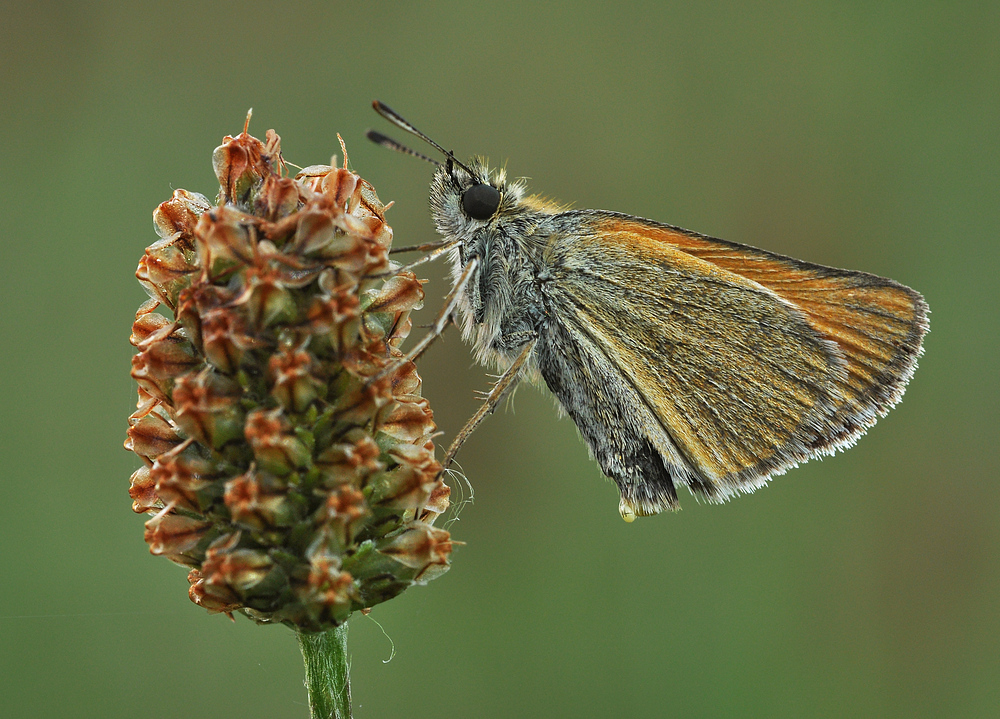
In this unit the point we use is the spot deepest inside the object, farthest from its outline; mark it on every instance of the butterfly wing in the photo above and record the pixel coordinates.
(687, 359)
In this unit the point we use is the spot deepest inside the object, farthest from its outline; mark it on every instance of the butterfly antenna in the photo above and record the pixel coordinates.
(392, 116)
(385, 141)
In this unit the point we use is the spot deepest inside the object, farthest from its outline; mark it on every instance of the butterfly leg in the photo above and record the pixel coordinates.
(436, 250)
(450, 303)
(507, 382)
(433, 250)
(424, 247)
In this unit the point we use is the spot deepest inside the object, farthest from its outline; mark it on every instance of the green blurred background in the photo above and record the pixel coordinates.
(857, 135)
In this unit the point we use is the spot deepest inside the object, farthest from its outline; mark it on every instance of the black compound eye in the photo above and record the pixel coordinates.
(480, 202)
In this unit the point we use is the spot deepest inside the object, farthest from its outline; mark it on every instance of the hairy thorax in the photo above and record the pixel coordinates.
(504, 306)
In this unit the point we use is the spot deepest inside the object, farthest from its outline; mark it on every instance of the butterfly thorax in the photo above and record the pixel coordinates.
(503, 304)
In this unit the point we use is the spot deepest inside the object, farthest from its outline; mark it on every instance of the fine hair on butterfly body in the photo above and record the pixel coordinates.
(682, 359)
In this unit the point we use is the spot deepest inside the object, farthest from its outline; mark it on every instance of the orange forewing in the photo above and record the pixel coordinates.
(876, 322)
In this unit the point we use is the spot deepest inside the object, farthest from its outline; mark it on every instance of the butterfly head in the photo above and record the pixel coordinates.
(468, 199)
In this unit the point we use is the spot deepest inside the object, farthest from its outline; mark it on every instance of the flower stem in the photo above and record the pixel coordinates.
(328, 679)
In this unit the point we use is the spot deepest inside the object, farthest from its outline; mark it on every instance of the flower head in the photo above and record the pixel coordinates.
(287, 451)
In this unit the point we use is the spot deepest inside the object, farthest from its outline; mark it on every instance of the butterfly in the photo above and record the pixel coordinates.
(683, 359)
